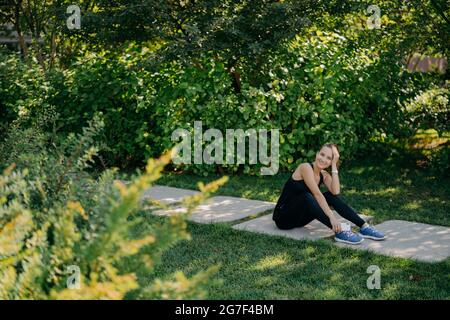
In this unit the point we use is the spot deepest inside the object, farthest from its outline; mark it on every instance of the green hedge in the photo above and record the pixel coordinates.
(314, 89)
(430, 109)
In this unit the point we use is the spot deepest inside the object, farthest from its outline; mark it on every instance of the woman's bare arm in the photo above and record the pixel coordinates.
(332, 182)
(335, 183)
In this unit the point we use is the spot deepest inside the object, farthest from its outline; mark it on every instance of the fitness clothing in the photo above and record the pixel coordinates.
(296, 207)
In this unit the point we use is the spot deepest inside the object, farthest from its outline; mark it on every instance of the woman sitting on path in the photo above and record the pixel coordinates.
(301, 200)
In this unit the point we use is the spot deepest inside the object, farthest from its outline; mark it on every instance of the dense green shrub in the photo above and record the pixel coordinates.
(116, 85)
(440, 161)
(54, 217)
(113, 84)
(315, 88)
(16, 81)
(430, 109)
(300, 96)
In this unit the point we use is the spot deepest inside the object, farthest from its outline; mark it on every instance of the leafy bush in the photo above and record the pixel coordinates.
(99, 82)
(315, 89)
(430, 109)
(27, 95)
(54, 217)
(440, 161)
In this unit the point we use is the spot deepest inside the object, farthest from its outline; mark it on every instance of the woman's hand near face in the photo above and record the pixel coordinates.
(335, 155)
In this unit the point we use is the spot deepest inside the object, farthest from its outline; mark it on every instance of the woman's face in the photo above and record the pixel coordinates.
(324, 157)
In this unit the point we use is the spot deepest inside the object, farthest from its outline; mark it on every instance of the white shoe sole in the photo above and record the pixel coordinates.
(347, 242)
(373, 238)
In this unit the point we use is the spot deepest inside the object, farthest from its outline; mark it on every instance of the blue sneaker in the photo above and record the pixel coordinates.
(348, 237)
(371, 233)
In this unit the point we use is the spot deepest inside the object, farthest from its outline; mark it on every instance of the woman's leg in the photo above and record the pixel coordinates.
(289, 215)
(314, 211)
(287, 222)
(343, 209)
(301, 211)
(293, 215)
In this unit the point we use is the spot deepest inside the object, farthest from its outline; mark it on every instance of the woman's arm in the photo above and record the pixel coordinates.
(332, 181)
(335, 183)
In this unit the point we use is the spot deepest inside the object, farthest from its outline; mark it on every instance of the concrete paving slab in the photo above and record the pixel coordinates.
(418, 241)
(222, 209)
(312, 231)
(167, 195)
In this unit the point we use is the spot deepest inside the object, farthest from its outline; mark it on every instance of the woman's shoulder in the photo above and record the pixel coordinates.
(297, 175)
(305, 164)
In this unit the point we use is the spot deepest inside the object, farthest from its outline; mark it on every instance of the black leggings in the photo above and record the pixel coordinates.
(305, 208)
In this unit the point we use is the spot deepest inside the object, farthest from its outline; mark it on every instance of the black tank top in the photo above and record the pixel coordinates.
(291, 189)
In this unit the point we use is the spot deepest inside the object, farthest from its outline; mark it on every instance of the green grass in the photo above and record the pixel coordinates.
(255, 266)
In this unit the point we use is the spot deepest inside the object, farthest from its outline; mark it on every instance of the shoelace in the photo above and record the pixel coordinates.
(374, 231)
(348, 233)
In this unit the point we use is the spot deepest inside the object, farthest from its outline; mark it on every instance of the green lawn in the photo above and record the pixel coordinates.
(256, 266)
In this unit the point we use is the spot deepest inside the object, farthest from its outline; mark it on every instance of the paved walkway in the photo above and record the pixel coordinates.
(406, 239)
(215, 209)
